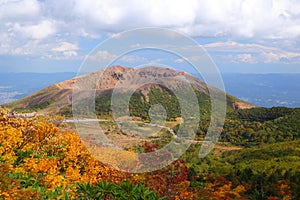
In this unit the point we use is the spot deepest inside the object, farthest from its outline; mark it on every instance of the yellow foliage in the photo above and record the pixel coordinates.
(56, 157)
(54, 180)
(73, 175)
(10, 140)
(127, 161)
(41, 165)
(227, 190)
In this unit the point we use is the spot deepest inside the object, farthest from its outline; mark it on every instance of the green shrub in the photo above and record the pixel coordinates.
(122, 191)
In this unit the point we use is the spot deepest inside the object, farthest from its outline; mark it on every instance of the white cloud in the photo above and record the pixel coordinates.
(66, 49)
(242, 18)
(246, 18)
(70, 53)
(185, 59)
(65, 46)
(43, 24)
(119, 15)
(16, 10)
(101, 56)
(105, 56)
(133, 59)
(281, 57)
(179, 60)
(252, 53)
(36, 31)
(244, 58)
(237, 47)
(37, 49)
(24, 28)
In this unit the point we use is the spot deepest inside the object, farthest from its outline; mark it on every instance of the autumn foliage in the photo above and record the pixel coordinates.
(40, 160)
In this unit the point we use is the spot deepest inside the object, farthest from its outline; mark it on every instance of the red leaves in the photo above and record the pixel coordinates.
(150, 147)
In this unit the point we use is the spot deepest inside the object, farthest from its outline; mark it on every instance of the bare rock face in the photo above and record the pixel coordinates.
(241, 105)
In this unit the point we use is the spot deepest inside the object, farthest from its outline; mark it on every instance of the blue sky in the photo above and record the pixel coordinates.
(245, 36)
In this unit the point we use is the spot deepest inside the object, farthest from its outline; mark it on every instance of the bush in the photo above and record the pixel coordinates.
(122, 191)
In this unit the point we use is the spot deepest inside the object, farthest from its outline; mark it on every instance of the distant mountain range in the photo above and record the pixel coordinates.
(14, 86)
(266, 90)
(57, 98)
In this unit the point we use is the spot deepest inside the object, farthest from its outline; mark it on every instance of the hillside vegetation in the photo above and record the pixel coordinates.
(259, 126)
(42, 160)
(57, 98)
(42, 157)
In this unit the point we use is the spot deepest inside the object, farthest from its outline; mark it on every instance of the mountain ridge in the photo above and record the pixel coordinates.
(56, 97)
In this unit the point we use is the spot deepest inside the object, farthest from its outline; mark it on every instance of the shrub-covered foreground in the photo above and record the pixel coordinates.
(122, 191)
(38, 160)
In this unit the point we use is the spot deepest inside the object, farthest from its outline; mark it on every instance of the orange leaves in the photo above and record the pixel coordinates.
(52, 181)
(10, 188)
(73, 175)
(56, 160)
(10, 139)
(3, 116)
(227, 191)
(221, 188)
(41, 165)
(38, 132)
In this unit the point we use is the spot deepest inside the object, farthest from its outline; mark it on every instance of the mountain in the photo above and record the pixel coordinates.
(265, 90)
(14, 86)
(262, 90)
(57, 98)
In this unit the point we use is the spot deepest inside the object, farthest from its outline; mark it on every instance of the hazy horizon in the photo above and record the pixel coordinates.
(258, 89)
